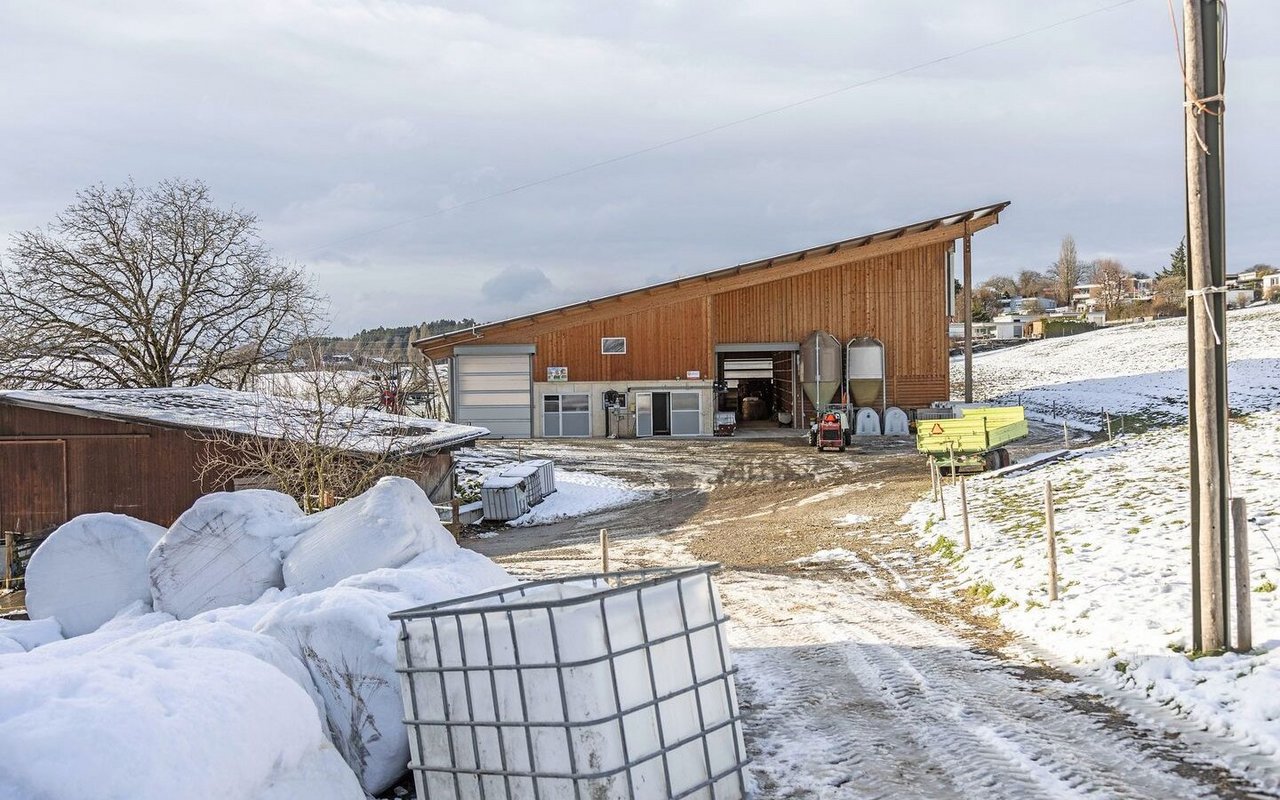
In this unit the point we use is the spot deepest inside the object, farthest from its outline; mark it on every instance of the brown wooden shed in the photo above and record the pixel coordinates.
(137, 451)
(663, 347)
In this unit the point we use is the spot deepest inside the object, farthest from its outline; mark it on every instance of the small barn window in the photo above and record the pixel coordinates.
(613, 345)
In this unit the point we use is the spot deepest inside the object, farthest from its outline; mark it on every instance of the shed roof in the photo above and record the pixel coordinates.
(975, 218)
(210, 409)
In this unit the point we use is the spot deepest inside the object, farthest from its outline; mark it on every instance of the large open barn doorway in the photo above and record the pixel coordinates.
(759, 383)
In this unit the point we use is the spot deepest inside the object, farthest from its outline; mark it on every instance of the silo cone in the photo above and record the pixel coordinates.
(821, 370)
(864, 365)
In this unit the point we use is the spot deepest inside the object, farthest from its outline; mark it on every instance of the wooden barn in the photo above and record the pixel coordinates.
(674, 353)
(138, 451)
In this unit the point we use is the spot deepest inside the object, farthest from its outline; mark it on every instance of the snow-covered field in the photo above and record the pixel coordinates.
(1132, 370)
(1122, 516)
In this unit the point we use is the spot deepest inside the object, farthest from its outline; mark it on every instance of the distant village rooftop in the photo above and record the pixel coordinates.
(211, 409)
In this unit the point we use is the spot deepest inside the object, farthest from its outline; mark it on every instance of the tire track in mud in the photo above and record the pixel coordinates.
(897, 698)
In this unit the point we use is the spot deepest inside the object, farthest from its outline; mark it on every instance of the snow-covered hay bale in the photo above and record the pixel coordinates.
(31, 633)
(89, 569)
(10, 647)
(189, 633)
(344, 637)
(160, 723)
(223, 551)
(386, 526)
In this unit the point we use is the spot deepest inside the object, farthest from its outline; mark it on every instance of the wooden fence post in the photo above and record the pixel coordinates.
(1240, 546)
(951, 454)
(1053, 545)
(933, 477)
(604, 550)
(1066, 440)
(1108, 416)
(10, 545)
(964, 513)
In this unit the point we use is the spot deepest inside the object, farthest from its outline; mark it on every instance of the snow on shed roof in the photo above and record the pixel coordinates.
(208, 408)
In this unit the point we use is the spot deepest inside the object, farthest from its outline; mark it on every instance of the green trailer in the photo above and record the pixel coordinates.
(973, 442)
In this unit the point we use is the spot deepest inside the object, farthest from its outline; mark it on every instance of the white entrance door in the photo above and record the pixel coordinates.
(644, 414)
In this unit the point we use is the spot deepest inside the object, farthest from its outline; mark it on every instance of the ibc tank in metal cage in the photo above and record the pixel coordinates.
(598, 686)
(865, 371)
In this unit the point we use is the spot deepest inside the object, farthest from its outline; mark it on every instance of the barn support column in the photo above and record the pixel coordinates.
(968, 315)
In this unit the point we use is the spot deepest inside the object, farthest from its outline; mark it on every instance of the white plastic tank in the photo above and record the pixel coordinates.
(864, 369)
(896, 422)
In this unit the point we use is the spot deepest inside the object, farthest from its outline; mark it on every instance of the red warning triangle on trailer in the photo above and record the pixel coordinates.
(937, 428)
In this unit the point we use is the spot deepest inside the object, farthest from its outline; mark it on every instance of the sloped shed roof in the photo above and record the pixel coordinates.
(210, 409)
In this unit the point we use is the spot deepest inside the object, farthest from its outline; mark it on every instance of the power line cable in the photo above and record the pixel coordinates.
(732, 123)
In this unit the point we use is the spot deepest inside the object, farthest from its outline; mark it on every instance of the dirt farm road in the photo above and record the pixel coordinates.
(855, 683)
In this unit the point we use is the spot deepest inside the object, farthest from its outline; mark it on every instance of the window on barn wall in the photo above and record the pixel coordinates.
(566, 415)
(613, 345)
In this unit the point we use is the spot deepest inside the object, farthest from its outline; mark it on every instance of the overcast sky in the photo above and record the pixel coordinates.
(347, 126)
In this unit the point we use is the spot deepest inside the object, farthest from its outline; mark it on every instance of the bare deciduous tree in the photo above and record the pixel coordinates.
(1031, 283)
(1169, 297)
(146, 286)
(313, 443)
(1066, 273)
(1113, 282)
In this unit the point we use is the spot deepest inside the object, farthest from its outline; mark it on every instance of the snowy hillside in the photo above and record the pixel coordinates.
(1123, 550)
(1133, 370)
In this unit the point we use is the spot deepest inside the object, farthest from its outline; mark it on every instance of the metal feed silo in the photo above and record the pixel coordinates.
(864, 369)
(821, 370)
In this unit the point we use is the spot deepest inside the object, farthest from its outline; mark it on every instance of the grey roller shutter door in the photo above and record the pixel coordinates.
(495, 392)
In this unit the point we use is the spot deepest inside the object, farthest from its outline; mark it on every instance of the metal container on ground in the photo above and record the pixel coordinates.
(532, 476)
(617, 685)
(504, 499)
(546, 473)
(865, 371)
(821, 367)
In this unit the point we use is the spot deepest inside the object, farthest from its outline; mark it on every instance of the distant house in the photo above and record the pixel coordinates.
(1014, 326)
(138, 451)
(1271, 286)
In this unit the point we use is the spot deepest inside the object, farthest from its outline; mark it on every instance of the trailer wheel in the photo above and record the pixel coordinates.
(991, 460)
(813, 438)
(1006, 458)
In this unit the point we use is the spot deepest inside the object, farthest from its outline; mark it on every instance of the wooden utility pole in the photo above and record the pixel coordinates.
(1206, 322)
(1052, 536)
(968, 315)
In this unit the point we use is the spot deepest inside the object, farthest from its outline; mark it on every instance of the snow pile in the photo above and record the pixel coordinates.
(578, 494)
(30, 634)
(235, 686)
(225, 550)
(90, 568)
(1123, 550)
(344, 638)
(1134, 370)
(385, 527)
(155, 723)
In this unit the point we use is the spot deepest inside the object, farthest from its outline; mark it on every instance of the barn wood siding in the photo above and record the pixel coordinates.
(144, 471)
(899, 299)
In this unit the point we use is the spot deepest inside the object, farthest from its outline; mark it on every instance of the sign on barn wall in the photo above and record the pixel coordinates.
(557, 374)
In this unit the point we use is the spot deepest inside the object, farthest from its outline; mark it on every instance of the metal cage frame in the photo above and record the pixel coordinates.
(496, 607)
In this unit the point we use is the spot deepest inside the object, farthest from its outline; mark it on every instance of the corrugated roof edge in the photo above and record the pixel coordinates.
(31, 398)
(856, 241)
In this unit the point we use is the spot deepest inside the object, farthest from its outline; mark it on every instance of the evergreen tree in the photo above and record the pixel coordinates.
(1177, 263)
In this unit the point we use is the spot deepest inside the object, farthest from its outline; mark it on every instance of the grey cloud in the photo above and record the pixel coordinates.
(351, 126)
(515, 284)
